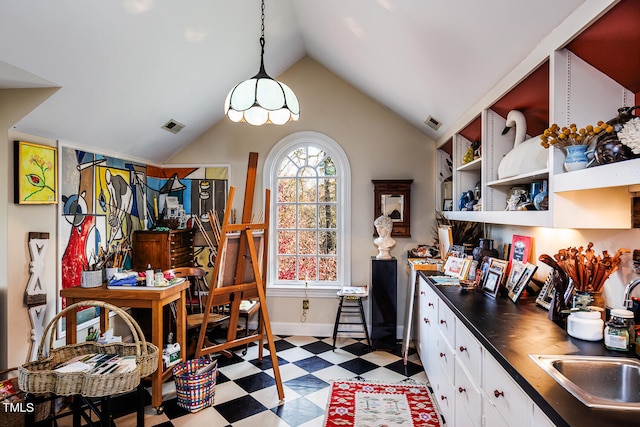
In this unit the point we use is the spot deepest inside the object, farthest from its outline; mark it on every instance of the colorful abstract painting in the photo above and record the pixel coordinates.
(104, 200)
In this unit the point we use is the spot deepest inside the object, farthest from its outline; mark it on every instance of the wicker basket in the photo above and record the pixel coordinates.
(40, 377)
(9, 418)
(195, 392)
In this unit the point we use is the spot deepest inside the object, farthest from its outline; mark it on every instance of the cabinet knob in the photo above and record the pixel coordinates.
(443, 354)
(430, 304)
(497, 393)
(423, 293)
(443, 397)
(443, 322)
(462, 348)
(426, 320)
(462, 390)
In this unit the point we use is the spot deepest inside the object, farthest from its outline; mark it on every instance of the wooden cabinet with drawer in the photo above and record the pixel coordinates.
(162, 249)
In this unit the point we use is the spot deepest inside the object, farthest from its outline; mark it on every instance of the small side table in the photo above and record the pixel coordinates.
(350, 306)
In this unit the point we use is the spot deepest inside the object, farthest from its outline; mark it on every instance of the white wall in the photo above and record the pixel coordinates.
(379, 145)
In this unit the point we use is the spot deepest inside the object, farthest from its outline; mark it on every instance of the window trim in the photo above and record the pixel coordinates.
(343, 169)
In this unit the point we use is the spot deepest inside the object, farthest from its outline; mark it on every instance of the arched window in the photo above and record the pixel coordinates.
(310, 181)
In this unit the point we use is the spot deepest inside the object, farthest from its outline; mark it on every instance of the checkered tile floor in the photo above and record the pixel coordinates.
(246, 393)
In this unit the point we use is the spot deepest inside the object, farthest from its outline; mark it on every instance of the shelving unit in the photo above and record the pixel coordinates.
(581, 73)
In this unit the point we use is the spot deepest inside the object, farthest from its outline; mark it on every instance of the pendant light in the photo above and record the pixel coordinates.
(262, 99)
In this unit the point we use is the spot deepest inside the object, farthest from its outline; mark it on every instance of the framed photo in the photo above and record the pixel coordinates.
(525, 276)
(499, 264)
(546, 293)
(392, 198)
(491, 283)
(517, 268)
(445, 239)
(457, 267)
(447, 205)
(36, 173)
(520, 249)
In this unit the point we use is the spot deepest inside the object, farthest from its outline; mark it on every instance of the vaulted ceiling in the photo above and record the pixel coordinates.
(126, 67)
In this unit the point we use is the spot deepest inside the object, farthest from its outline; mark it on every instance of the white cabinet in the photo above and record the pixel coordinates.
(501, 392)
(469, 385)
(565, 79)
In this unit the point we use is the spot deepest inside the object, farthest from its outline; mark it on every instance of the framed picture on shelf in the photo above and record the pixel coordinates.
(525, 277)
(491, 283)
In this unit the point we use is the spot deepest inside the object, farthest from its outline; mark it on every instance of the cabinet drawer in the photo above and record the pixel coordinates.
(447, 323)
(443, 394)
(469, 352)
(468, 395)
(446, 357)
(508, 398)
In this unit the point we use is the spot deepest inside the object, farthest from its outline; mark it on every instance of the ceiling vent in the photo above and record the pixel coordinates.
(433, 123)
(173, 126)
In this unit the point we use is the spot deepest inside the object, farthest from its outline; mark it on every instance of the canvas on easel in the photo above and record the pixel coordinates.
(239, 273)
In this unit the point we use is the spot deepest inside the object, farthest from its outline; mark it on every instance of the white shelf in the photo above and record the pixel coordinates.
(612, 175)
(473, 165)
(524, 178)
(522, 218)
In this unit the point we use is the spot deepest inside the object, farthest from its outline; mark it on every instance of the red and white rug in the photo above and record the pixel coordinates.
(371, 404)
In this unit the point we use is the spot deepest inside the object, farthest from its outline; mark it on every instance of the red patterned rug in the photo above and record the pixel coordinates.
(364, 404)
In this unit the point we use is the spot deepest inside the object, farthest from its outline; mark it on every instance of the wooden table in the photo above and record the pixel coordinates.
(154, 299)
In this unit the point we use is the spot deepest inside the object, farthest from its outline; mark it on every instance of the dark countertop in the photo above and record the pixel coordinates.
(510, 332)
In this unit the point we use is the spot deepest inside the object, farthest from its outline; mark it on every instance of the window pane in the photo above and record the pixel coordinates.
(307, 268)
(307, 242)
(328, 269)
(299, 157)
(286, 190)
(327, 190)
(286, 268)
(286, 242)
(307, 216)
(307, 190)
(327, 243)
(327, 168)
(327, 216)
(316, 156)
(286, 216)
(287, 168)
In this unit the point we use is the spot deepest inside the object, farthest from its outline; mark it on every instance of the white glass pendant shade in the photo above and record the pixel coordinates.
(261, 100)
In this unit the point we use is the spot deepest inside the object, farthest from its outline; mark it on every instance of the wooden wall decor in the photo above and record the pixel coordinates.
(392, 197)
(35, 296)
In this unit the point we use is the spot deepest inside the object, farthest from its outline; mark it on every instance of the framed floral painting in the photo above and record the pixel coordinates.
(36, 174)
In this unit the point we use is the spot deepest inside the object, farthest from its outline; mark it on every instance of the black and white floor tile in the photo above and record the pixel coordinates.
(246, 394)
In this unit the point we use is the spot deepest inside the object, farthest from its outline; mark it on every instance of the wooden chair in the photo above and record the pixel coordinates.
(197, 301)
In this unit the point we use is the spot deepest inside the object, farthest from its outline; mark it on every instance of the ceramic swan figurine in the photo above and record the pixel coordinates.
(526, 155)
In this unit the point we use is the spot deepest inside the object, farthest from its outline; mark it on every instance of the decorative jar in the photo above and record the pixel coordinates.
(576, 157)
(484, 248)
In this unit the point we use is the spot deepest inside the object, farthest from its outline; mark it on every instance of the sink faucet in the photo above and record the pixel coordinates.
(628, 302)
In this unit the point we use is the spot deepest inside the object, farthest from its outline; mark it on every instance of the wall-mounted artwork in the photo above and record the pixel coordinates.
(35, 168)
(104, 199)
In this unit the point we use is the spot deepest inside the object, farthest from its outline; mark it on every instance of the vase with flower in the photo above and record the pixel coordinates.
(574, 142)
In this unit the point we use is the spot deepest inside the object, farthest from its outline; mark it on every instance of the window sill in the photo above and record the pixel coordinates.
(299, 292)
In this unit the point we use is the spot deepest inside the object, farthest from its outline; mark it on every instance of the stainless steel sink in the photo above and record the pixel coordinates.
(600, 382)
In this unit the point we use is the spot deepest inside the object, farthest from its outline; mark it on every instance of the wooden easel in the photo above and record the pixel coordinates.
(243, 286)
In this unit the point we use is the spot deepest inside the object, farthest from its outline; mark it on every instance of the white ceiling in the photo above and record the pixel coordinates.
(125, 67)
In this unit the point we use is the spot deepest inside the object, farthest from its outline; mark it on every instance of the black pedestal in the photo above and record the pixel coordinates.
(384, 301)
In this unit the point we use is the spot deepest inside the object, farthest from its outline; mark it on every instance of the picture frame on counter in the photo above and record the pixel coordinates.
(457, 267)
(500, 264)
(546, 293)
(491, 283)
(517, 268)
(525, 276)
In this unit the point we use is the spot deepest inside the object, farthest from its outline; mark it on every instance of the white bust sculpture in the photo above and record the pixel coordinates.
(384, 225)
